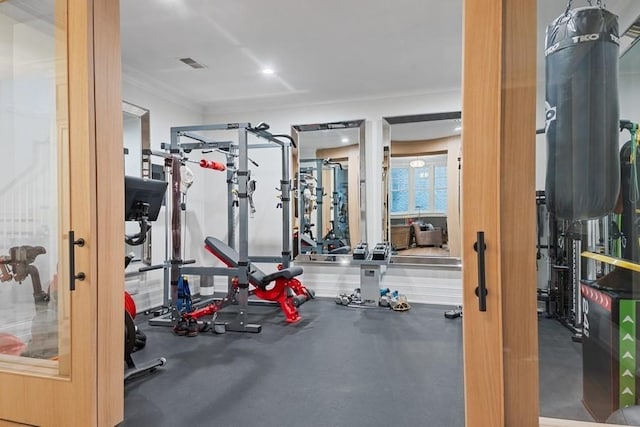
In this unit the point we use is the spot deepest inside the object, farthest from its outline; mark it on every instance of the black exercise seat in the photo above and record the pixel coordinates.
(257, 277)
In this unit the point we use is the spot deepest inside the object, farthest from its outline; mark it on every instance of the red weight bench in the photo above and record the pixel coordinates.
(280, 286)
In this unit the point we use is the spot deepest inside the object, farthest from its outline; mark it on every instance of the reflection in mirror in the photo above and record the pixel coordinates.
(135, 138)
(421, 178)
(328, 209)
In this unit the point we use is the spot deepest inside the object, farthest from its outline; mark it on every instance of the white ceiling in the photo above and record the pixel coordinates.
(321, 52)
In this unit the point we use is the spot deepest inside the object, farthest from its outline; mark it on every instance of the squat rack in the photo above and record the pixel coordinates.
(174, 266)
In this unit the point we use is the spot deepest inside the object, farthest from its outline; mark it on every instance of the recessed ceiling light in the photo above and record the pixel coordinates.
(268, 71)
(345, 140)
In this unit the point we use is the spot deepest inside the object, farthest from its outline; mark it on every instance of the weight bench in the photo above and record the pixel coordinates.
(274, 286)
(257, 277)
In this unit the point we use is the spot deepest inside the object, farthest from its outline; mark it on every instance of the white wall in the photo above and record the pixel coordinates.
(433, 285)
(165, 113)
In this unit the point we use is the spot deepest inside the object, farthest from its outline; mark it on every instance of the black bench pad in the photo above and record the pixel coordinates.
(257, 277)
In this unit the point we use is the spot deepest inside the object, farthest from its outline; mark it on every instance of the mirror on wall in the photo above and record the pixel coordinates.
(421, 185)
(136, 138)
(329, 206)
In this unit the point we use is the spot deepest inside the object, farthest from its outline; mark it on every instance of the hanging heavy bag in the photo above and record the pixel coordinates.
(582, 113)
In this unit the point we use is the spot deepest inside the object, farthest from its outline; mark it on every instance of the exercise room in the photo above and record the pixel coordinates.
(345, 214)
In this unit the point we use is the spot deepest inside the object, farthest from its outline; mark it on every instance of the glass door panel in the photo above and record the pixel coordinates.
(34, 303)
(587, 208)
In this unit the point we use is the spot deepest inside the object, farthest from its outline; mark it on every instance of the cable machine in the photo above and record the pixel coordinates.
(311, 190)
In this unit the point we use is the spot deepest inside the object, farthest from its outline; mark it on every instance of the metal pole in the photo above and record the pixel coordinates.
(285, 196)
(167, 243)
(605, 223)
(169, 210)
(301, 220)
(230, 208)
(243, 225)
(239, 324)
(319, 203)
(231, 236)
(577, 291)
(592, 241)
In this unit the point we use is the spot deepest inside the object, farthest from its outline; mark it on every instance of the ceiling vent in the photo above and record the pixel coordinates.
(192, 63)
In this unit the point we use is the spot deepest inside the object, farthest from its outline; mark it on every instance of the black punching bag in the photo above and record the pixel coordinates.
(582, 118)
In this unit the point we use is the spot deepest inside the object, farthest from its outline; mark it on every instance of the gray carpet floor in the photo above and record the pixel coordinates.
(560, 373)
(337, 367)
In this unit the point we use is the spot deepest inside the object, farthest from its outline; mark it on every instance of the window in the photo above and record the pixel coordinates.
(422, 189)
(399, 193)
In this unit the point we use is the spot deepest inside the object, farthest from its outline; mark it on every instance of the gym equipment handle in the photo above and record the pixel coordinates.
(481, 290)
(150, 268)
(210, 164)
(72, 260)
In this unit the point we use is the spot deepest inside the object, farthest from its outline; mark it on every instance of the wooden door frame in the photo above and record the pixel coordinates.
(499, 114)
(95, 114)
(108, 211)
(499, 101)
(92, 205)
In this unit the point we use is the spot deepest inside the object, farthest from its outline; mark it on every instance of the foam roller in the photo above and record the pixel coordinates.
(298, 300)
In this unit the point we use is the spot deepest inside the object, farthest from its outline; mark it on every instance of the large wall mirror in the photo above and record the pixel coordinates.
(136, 138)
(328, 171)
(421, 185)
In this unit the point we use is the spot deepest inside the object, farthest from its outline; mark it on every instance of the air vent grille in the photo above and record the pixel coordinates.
(192, 63)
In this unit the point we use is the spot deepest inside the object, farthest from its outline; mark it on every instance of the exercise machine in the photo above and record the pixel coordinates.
(18, 265)
(287, 291)
(143, 199)
(135, 340)
(311, 195)
(185, 140)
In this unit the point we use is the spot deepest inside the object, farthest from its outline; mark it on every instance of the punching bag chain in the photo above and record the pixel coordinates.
(569, 4)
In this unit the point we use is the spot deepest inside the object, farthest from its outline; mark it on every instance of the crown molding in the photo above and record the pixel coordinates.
(160, 89)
